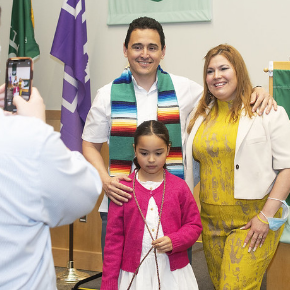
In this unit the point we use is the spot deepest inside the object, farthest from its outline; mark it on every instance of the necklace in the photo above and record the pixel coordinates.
(144, 219)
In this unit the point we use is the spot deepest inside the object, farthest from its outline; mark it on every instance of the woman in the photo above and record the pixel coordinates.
(240, 156)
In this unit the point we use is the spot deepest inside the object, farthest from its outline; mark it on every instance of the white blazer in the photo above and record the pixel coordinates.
(262, 149)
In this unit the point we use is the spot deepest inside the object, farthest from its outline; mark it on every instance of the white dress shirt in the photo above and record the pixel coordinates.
(98, 123)
(43, 185)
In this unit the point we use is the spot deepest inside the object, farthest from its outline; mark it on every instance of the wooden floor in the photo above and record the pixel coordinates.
(199, 269)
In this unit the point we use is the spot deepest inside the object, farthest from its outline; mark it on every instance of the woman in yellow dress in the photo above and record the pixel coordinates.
(240, 154)
(20, 85)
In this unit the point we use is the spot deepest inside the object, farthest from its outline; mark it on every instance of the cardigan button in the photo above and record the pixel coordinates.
(237, 166)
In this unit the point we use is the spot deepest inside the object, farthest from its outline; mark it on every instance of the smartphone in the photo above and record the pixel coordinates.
(18, 80)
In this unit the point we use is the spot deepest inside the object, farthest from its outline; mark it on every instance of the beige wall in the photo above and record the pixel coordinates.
(259, 29)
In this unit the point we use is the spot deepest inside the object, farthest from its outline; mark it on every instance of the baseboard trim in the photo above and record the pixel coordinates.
(82, 259)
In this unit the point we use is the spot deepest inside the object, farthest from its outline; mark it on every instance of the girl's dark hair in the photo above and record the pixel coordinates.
(148, 128)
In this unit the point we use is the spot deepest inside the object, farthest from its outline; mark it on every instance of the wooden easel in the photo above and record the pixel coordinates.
(278, 273)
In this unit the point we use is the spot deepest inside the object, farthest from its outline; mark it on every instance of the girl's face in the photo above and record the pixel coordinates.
(221, 78)
(151, 152)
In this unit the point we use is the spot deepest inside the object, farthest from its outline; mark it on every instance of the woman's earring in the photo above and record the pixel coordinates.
(209, 94)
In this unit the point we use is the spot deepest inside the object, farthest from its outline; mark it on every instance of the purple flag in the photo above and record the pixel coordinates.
(69, 46)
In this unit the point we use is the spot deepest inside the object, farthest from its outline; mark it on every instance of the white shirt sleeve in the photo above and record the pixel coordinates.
(98, 122)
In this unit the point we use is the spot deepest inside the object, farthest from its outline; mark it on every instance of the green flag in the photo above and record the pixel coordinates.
(281, 88)
(164, 11)
(22, 42)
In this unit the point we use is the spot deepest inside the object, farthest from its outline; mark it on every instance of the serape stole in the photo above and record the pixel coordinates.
(124, 123)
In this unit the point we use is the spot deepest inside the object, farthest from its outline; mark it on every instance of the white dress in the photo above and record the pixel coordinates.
(146, 279)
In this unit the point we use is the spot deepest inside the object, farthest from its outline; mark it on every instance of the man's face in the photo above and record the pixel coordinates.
(144, 53)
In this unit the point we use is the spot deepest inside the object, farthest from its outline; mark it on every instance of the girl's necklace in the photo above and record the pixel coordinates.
(159, 221)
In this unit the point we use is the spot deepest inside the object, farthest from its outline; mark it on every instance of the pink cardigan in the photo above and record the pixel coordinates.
(180, 222)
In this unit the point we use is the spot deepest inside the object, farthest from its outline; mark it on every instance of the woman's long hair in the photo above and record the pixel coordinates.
(243, 91)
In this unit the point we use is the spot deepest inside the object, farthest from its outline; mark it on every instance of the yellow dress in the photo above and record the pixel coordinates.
(230, 265)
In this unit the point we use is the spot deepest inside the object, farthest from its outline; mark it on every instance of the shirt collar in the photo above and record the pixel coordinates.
(153, 87)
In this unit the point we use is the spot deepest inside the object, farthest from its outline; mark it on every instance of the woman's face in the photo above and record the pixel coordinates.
(221, 78)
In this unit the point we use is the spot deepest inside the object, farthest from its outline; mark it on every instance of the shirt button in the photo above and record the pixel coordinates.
(237, 166)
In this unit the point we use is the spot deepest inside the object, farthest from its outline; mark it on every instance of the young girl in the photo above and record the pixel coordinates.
(148, 237)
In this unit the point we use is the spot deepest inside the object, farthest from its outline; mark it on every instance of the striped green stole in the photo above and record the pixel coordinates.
(124, 123)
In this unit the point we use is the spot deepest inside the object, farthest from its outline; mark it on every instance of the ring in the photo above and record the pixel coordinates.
(260, 237)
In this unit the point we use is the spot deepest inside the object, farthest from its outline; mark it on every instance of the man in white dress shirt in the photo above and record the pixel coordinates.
(43, 185)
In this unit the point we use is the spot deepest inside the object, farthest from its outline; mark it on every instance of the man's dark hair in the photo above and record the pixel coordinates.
(145, 23)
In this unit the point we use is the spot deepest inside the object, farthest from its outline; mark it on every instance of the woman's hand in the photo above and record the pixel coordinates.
(257, 233)
(162, 245)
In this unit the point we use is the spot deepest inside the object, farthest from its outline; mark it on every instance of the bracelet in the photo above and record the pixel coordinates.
(264, 215)
(261, 219)
(273, 198)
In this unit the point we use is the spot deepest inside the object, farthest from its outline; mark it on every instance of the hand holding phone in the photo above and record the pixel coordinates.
(33, 108)
(2, 94)
(18, 80)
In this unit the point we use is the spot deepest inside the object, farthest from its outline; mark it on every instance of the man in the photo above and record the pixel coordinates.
(43, 185)
(144, 48)
(15, 82)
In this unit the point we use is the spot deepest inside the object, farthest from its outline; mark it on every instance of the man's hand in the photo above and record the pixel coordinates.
(262, 100)
(33, 108)
(115, 190)
(2, 94)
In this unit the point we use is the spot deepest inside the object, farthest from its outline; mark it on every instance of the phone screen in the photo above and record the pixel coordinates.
(18, 80)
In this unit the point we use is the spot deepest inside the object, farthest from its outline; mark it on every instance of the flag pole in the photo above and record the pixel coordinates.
(71, 275)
